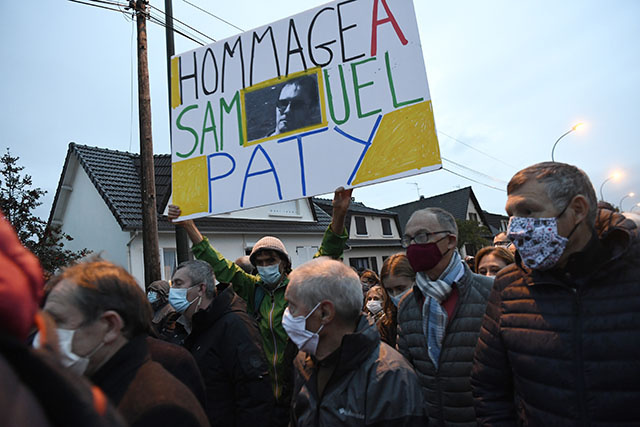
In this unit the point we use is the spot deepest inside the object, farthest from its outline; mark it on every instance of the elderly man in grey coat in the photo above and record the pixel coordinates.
(344, 374)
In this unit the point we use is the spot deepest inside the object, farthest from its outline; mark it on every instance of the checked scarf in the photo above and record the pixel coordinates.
(433, 314)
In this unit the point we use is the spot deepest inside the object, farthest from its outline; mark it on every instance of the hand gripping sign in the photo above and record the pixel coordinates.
(335, 96)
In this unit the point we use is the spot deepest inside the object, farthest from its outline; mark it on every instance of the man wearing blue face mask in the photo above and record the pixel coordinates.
(226, 345)
(439, 318)
(560, 340)
(264, 292)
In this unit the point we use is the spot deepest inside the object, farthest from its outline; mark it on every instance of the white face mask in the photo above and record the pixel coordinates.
(296, 328)
(68, 358)
(374, 306)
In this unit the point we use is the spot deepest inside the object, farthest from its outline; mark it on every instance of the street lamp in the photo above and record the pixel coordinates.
(575, 127)
(615, 176)
(637, 205)
(628, 195)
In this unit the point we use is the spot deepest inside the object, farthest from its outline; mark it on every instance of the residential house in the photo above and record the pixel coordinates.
(98, 203)
(497, 222)
(462, 204)
(374, 235)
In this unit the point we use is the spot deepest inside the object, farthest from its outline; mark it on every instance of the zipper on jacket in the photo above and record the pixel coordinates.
(275, 344)
(582, 407)
(446, 332)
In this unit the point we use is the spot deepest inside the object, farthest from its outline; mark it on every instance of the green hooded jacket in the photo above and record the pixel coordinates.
(273, 304)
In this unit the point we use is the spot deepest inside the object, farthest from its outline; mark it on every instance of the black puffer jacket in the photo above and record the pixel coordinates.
(372, 385)
(228, 349)
(447, 390)
(562, 348)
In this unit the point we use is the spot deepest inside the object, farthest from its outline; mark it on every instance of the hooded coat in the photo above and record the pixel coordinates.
(562, 347)
(372, 385)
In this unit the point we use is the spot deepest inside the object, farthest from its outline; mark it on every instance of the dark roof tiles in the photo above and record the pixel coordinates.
(116, 176)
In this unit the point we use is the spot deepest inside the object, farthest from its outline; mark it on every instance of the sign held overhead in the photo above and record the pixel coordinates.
(335, 96)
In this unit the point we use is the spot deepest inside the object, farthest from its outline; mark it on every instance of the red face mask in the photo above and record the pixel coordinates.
(424, 256)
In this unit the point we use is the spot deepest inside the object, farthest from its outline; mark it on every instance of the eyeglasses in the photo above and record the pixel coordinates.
(422, 237)
(295, 104)
(503, 243)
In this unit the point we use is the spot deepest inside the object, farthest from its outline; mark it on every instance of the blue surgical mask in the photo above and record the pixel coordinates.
(270, 274)
(152, 296)
(396, 299)
(178, 299)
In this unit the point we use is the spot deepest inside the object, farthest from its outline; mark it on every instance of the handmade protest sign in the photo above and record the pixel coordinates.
(335, 96)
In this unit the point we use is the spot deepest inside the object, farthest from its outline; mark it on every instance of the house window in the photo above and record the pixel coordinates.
(386, 227)
(169, 261)
(473, 216)
(364, 263)
(503, 224)
(305, 253)
(361, 225)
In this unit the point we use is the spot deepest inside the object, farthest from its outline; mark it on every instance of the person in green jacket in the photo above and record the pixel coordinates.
(264, 292)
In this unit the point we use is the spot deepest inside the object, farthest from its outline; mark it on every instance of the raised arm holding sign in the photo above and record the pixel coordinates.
(264, 293)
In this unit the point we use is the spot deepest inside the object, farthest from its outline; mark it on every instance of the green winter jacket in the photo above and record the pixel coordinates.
(269, 314)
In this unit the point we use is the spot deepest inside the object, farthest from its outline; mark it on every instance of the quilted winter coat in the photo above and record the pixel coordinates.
(562, 348)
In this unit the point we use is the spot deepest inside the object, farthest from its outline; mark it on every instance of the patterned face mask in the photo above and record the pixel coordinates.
(537, 240)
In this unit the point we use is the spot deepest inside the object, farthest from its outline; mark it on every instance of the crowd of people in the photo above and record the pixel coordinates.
(542, 328)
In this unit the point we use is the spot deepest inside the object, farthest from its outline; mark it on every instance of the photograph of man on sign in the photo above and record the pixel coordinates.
(284, 107)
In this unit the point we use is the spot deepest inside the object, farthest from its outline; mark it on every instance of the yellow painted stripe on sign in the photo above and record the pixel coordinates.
(176, 100)
(190, 185)
(406, 140)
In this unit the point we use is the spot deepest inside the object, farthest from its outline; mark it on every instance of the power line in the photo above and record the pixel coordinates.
(186, 25)
(211, 14)
(161, 22)
(479, 151)
(473, 180)
(94, 5)
(152, 18)
(500, 181)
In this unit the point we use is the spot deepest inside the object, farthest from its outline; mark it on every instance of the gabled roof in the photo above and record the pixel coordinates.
(494, 221)
(116, 177)
(354, 208)
(358, 208)
(455, 202)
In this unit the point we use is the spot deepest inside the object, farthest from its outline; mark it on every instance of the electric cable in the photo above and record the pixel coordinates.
(184, 24)
(473, 180)
(476, 149)
(211, 14)
(499, 181)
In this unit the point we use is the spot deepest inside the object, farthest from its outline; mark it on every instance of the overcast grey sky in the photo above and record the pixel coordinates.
(506, 77)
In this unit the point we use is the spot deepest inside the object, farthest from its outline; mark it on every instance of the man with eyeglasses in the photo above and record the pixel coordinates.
(439, 318)
(297, 106)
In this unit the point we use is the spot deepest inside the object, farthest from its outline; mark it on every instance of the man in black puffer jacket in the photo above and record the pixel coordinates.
(560, 342)
(226, 345)
(439, 319)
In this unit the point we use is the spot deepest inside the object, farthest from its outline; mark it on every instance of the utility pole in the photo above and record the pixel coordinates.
(147, 174)
(182, 240)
